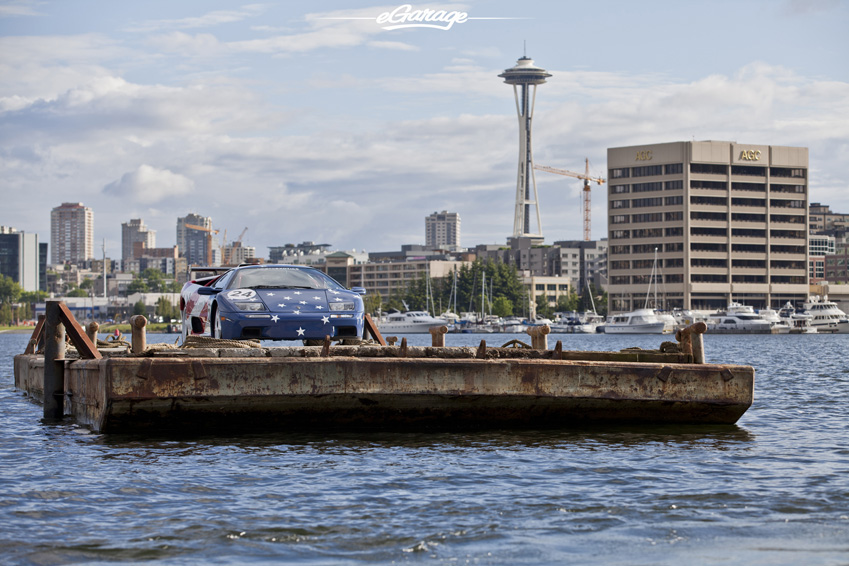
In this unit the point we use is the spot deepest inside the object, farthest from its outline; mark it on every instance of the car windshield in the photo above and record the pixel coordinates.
(282, 278)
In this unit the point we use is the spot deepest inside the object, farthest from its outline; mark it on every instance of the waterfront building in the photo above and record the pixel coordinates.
(728, 221)
(135, 232)
(71, 233)
(442, 231)
(546, 289)
(525, 77)
(305, 253)
(837, 265)
(386, 278)
(822, 219)
(819, 246)
(21, 258)
(195, 240)
(235, 253)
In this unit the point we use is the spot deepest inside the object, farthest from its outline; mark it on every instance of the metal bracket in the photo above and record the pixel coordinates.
(664, 373)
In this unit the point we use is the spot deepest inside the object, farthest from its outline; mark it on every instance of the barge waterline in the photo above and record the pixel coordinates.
(388, 388)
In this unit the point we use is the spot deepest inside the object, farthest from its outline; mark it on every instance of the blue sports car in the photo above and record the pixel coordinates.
(271, 302)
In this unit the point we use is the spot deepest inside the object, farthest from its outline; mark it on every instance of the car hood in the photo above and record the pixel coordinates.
(292, 300)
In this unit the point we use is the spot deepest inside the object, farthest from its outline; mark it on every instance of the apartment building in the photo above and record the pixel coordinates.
(71, 233)
(726, 222)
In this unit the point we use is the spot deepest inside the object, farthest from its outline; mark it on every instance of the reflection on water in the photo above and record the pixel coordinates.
(771, 490)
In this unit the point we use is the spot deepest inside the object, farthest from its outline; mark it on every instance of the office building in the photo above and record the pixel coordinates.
(727, 222)
(71, 233)
(132, 232)
(442, 231)
(21, 257)
(195, 240)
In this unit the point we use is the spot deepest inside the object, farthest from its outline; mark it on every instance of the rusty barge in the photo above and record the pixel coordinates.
(375, 386)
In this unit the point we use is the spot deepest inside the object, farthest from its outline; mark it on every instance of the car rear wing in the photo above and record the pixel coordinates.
(197, 272)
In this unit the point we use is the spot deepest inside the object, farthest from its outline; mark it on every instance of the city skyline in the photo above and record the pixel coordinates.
(281, 119)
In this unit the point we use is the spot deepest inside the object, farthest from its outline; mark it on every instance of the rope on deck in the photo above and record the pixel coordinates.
(210, 342)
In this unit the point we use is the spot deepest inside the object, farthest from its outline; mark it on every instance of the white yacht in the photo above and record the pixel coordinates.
(640, 321)
(799, 322)
(410, 322)
(779, 325)
(739, 318)
(826, 316)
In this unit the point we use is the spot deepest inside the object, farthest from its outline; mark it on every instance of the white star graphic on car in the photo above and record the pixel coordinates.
(337, 299)
(334, 292)
(319, 307)
(300, 331)
(297, 292)
(275, 318)
(317, 298)
(297, 312)
(303, 302)
(287, 298)
(325, 319)
(281, 305)
(270, 295)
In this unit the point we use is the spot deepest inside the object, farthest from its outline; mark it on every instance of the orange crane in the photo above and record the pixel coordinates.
(587, 178)
(210, 231)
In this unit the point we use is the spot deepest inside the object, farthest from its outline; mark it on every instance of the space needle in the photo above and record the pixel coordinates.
(525, 77)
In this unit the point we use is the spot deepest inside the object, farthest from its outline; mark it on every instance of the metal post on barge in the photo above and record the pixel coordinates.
(54, 362)
(139, 340)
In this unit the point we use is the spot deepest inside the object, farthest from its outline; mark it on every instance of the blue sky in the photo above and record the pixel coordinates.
(299, 122)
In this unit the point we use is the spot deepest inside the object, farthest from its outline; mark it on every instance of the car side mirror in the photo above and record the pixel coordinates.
(208, 291)
(358, 290)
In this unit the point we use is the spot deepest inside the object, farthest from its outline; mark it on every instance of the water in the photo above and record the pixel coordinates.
(774, 489)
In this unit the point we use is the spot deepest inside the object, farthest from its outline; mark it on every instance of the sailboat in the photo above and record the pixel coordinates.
(644, 320)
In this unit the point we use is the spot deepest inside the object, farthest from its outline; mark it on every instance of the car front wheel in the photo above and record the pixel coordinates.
(216, 325)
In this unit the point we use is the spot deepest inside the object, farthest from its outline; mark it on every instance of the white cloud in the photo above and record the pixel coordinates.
(149, 185)
(210, 19)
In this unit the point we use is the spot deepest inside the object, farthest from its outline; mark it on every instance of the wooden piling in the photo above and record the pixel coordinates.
(54, 362)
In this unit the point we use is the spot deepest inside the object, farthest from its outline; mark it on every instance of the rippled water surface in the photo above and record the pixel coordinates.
(774, 489)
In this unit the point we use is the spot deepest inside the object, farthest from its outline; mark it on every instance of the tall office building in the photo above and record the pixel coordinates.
(727, 222)
(195, 240)
(20, 258)
(132, 232)
(71, 233)
(442, 231)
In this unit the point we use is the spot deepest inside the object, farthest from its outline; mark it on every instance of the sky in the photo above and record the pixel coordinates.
(308, 121)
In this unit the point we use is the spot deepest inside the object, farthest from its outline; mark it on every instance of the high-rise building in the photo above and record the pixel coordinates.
(726, 221)
(71, 233)
(132, 232)
(525, 77)
(20, 258)
(195, 239)
(442, 231)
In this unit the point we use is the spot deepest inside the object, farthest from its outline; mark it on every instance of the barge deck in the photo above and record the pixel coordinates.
(379, 387)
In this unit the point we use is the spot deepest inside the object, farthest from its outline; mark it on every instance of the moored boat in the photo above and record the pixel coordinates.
(826, 316)
(410, 322)
(640, 321)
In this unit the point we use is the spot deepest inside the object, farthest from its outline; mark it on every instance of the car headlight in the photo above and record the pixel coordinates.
(250, 306)
(342, 306)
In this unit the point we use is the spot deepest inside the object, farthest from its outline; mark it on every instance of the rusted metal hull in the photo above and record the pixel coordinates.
(136, 394)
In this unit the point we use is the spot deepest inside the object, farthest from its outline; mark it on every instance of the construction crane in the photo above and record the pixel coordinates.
(587, 178)
(210, 231)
